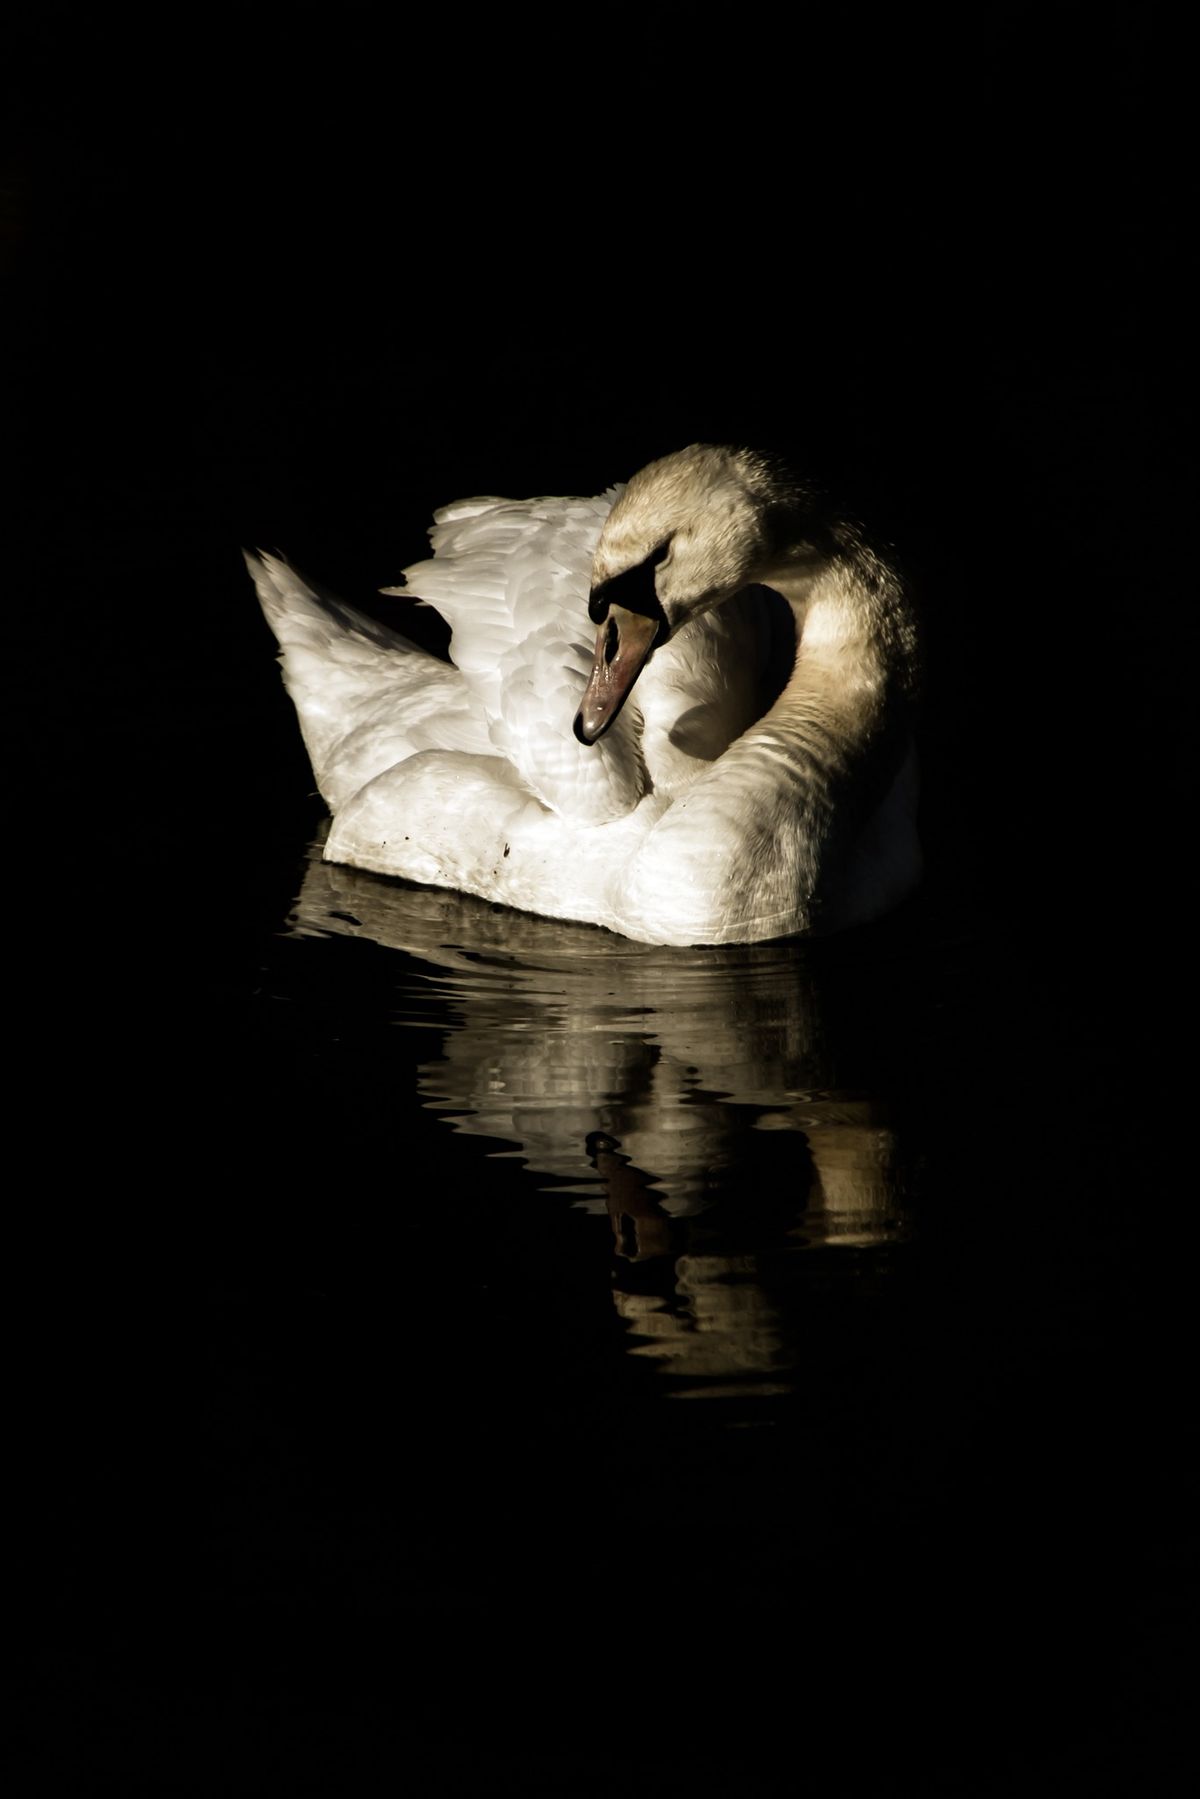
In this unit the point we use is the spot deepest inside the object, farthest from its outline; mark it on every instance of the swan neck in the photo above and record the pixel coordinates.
(853, 634)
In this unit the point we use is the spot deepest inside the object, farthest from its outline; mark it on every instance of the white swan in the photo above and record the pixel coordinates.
(710, 803)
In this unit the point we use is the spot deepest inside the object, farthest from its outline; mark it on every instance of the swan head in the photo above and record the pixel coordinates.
(687, 533)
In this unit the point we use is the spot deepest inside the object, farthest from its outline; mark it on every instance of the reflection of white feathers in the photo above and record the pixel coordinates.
(715, 808)
(561, 1033)
(720, 1328)
(628, 1077)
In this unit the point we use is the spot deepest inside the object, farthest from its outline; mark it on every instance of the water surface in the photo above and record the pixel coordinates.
(765, 1340)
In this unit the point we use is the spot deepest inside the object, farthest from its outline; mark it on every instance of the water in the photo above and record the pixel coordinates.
(692, 1098)
(567, 1365)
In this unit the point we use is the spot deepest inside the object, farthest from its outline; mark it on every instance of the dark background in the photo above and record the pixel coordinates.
(296, 286)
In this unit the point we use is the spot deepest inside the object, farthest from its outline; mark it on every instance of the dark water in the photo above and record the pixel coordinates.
(546, 1362)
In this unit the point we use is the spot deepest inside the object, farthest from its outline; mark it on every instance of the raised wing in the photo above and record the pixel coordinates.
(365, 696)
(511, 579)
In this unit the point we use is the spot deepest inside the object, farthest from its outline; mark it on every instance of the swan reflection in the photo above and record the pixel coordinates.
(695, 1096)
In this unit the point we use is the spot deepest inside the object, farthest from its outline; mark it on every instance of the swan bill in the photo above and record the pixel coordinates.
(623, 644)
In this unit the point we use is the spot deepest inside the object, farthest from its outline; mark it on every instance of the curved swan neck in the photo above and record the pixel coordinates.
(855, 632)
(796, 789)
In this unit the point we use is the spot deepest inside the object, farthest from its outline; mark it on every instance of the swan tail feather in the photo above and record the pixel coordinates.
(365, 696)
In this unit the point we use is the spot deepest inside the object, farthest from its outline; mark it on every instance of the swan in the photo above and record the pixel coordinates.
(655, 775)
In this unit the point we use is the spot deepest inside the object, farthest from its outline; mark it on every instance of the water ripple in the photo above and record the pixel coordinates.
(700, 1098)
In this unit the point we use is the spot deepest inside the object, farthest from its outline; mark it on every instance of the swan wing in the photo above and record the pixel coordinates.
(365, 696)
(511, 579)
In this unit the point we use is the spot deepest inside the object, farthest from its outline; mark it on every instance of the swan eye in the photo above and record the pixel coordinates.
(634, 589)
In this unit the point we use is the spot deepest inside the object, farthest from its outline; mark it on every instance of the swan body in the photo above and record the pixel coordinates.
(661, 777)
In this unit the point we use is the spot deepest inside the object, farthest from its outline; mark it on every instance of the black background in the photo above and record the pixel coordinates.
(295, 285)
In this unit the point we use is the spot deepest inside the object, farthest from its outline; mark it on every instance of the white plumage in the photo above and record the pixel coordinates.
(718, 799)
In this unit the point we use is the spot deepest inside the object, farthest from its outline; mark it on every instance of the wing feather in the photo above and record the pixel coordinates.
(511, 579)
(365, 696)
